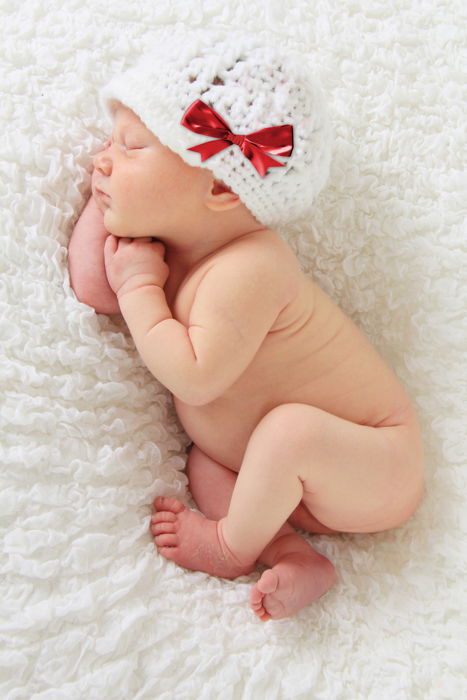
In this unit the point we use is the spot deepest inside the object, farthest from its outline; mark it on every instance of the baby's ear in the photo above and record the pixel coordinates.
(220, 197)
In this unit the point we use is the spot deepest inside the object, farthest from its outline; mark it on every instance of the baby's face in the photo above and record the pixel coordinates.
(141, 186)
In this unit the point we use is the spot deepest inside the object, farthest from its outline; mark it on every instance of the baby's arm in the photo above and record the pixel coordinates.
(86, 261)
(235, 305)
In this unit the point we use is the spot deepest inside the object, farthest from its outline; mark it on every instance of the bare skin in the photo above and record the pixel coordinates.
(296, 420)
(297, 574)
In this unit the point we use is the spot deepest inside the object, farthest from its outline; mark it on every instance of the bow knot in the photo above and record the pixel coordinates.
(278, 140)
(237, 139)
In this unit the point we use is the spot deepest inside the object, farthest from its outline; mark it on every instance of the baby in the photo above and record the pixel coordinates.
(296, 421)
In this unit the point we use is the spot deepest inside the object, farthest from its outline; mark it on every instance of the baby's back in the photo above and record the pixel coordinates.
(313, 354)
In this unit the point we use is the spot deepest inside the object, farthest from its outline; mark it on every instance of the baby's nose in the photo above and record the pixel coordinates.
(102, 160)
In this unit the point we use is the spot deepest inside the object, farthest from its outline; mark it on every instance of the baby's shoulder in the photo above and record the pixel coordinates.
(262, 250)
(260, 265)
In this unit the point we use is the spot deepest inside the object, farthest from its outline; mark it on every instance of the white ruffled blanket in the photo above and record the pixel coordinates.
(88, 608)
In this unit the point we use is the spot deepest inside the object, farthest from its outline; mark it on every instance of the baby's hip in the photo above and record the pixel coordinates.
(373, 476)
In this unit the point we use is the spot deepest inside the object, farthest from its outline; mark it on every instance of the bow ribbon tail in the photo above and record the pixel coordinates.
(210, 148)
(261, 161)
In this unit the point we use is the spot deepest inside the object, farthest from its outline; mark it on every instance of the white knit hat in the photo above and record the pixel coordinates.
(251, 87)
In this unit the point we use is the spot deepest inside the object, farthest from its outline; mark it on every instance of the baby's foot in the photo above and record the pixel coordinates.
(294, 582)
(193, 541)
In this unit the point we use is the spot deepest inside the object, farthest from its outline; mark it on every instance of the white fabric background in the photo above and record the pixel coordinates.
(88, 608)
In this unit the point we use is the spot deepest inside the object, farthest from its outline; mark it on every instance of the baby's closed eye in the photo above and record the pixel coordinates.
(129, 146)
(134, 146)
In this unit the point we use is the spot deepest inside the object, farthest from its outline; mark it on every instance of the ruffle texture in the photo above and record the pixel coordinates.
(88, 438)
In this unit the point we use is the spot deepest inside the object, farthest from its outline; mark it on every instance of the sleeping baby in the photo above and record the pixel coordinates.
(295, 420)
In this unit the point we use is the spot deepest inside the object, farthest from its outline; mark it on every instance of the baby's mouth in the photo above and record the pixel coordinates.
(97, 190)
(102, 195)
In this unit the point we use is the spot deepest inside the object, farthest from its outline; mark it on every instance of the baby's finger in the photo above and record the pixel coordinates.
(160, 246)
(156, 246)
(110, 248)
(110, 245)
(124, 242)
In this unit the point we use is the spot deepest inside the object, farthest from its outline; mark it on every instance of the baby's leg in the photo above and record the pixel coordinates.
(353, 478)
(212, 484)
(298, 575)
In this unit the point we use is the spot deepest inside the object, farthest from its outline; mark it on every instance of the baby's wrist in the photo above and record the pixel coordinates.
(136, 284)
(143, 307)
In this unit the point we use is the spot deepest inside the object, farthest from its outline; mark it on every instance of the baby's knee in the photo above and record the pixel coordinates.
(291, 426)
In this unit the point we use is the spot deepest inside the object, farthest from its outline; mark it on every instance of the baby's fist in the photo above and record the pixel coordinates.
(131, 263)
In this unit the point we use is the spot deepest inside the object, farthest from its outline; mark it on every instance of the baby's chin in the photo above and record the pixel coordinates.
(110, 224)
(119, 227)
(117, 230)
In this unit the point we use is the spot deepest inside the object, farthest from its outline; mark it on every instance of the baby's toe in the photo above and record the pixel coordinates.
(164, 516)
(256, 598)
(257, 604)
(169, 553)
(163, 527)
(268, 582)
(167, 540)
(168, 504)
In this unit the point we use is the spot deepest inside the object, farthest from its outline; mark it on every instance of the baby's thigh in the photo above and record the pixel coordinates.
(370, 479)
(356, 478)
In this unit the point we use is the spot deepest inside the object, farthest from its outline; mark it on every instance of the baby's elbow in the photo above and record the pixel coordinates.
(100, 298)
(79, 286)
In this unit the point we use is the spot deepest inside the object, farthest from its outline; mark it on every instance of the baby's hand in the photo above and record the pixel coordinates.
(131, 263)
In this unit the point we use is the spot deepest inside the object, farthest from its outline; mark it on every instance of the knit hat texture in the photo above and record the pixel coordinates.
(251, 87)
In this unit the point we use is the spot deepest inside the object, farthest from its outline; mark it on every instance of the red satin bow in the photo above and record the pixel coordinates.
(202, 119)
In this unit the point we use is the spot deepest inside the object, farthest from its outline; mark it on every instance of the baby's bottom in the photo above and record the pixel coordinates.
(352, 478)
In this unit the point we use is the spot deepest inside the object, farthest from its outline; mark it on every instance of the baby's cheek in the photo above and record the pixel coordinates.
(114, 224)
(116, 219)
(108, 221)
